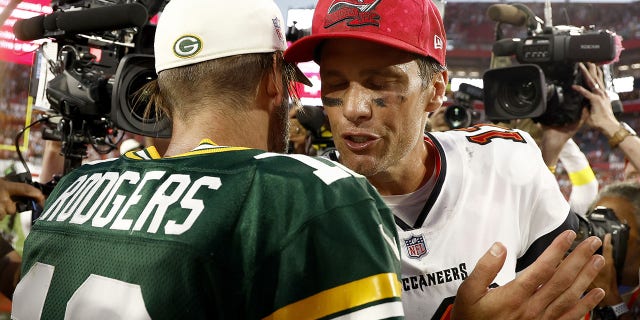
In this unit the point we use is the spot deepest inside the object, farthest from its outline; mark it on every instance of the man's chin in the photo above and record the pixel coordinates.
(362, 164)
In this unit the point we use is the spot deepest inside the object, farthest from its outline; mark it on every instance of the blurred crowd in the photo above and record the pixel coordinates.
(623, 18)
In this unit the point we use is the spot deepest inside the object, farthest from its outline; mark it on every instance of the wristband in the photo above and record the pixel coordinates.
(623, 132)
(552, 169)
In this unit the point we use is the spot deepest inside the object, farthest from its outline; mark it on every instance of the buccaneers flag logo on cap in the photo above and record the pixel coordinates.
(354, 12)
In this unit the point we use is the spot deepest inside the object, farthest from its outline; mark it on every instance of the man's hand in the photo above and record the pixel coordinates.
(550, 288)
(10, 189)
(600, 113)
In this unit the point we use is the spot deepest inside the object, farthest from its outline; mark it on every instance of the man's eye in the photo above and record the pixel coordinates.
(334, 85)
(331, 102)
(380, 83)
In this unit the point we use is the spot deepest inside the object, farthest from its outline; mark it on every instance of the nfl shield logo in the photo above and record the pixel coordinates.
(416, 247)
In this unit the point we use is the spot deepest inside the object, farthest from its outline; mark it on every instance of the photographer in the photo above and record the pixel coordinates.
(622, 290)
(601, 117)
(10, 260)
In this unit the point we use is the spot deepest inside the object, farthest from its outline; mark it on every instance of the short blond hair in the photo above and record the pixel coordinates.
(232, 80)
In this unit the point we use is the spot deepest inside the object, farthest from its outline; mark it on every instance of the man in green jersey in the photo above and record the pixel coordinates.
(216, 228)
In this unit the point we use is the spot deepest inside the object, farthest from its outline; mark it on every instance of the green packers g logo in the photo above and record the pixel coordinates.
(187, 46)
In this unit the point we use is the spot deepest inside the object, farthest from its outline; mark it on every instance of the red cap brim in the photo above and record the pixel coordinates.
(305, 48)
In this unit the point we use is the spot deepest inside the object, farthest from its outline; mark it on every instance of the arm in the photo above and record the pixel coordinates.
(554, 138)
(583, 180)
(52, 160)
(550, 288)
(10, 262)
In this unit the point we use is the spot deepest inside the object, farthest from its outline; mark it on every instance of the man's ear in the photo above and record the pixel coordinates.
(273, 82)
(439, 83)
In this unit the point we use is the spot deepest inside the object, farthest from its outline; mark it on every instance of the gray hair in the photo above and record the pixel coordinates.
(428, 67)
(628, 190)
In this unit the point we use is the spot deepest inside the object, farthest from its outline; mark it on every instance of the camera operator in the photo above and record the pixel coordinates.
(622, 290)
(10, 260)
(601, 117)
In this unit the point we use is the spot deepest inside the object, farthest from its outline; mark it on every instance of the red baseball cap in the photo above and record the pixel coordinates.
(411, 25)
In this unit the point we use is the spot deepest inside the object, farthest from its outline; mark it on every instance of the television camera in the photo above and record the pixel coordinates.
(104, 55)
(540, 86)
(461, 113)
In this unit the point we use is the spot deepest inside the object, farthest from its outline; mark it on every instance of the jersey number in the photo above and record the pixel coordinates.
(96, 297)
(327, 173)
(487, 136)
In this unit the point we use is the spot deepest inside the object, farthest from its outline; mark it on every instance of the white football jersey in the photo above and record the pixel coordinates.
(490, 184)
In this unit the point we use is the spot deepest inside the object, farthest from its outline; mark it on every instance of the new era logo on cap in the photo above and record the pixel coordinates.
(437, 42)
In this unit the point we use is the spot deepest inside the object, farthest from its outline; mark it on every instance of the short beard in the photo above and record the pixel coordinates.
(279, 133)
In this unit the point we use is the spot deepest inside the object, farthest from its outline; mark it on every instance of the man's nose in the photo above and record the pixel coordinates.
(357, 103)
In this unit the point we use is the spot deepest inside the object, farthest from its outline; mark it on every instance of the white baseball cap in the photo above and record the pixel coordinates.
(193, 31)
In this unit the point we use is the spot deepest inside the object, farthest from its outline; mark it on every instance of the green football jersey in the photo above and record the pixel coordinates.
(216, 233)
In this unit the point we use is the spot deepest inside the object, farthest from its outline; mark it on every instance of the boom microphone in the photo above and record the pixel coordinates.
(507, 13)
(78, 21)
(29, 29)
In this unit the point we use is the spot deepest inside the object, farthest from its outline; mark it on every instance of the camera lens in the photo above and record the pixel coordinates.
(457, 117)
(136, 101)
(519, 98)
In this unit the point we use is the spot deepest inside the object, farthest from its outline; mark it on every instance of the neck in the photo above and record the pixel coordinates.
(223, 126)
(408, 175)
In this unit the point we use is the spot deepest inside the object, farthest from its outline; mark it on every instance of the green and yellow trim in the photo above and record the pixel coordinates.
(211, 147)
(344, 297)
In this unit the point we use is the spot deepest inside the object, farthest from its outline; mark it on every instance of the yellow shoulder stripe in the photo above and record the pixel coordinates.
(344, 297)
(582, 177)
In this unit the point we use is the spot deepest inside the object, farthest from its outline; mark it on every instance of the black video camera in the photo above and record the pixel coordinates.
(600, 221)
(540, 87)
(461, 113)
(26, 203)
(104, 55)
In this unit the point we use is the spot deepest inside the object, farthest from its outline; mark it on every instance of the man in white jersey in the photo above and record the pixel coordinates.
(453, 193)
